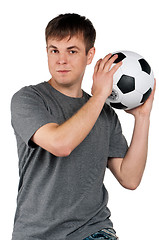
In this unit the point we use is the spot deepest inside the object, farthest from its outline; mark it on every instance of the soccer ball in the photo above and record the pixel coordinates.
(132, 82)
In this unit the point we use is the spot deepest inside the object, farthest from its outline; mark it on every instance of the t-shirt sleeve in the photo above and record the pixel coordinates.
(118, 145)
(28, 113)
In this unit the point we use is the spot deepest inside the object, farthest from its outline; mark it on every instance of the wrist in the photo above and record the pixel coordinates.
(101, 95)
(101, 99)
(139, 113)
(142, 118)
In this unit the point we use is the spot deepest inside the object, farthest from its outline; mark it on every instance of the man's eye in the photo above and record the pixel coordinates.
(73, 51)
(54, 51)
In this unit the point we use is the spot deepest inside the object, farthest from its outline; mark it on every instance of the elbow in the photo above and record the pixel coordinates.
(130, 185)
(65, 152)
(61, 150)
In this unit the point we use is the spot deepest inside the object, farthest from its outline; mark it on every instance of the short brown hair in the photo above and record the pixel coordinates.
(71, 24)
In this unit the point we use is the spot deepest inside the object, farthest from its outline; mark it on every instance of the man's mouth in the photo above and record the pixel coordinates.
(63, 71)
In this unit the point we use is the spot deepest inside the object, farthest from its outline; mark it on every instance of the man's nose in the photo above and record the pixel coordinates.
(62, 58)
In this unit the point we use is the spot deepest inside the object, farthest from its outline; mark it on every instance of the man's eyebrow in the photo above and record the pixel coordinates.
(52, 46)
(73, 47)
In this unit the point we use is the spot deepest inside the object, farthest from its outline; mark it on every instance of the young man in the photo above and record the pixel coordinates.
(66, 139)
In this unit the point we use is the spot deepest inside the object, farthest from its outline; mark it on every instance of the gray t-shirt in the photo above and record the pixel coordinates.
(61, 198)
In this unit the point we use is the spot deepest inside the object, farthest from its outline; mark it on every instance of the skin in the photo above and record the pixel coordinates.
(67, 65)
(67, 62)
(129, 171)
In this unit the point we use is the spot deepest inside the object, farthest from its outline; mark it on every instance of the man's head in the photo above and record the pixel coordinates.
(70, 48)
(70, 25)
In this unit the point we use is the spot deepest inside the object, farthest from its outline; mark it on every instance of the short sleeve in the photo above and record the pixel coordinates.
(118, 145)
(29, 112)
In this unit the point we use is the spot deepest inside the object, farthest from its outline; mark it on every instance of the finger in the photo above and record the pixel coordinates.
(110, 62)
(154, 89)
(104, 61)
(97, 65)
(115, 67)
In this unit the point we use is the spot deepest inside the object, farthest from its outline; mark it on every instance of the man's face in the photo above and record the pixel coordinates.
(67, 60)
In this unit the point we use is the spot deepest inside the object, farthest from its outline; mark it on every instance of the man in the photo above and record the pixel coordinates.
(66, 139)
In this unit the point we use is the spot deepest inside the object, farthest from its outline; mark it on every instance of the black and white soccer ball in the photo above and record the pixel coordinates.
(132, 82)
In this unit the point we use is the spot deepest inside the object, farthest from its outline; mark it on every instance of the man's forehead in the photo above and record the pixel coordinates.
(67, 41)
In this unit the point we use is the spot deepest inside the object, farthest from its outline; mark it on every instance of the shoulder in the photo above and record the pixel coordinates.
(86, 95)
(109, 111)
(25, 99)
(27, 93)
(28, 89)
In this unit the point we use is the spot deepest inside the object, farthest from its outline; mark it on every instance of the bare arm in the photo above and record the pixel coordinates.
(62, 139)
(129, 170)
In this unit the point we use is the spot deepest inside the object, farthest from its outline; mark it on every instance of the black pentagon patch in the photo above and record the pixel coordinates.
(145, 66)
(121, 56)
(126, 84)
(118, 105)
(146, 95)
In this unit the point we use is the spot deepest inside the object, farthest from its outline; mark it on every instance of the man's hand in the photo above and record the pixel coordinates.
(62, 139)
(129, 170)
(103, 76)
(145, 109)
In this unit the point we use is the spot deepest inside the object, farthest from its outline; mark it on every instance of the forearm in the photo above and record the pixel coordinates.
(133, 164)
(61, 140)
(72, 132)
(129, 170)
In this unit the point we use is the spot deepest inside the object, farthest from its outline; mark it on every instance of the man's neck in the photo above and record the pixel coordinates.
(71, 91)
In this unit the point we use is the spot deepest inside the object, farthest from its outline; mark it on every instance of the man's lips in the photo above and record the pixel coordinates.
(63, 71)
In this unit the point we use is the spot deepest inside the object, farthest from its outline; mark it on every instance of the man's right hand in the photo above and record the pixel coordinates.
(103, 76)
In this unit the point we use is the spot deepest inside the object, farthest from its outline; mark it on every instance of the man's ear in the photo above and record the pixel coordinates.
(90, 55)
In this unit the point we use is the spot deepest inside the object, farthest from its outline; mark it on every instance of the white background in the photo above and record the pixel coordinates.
(120, 25)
